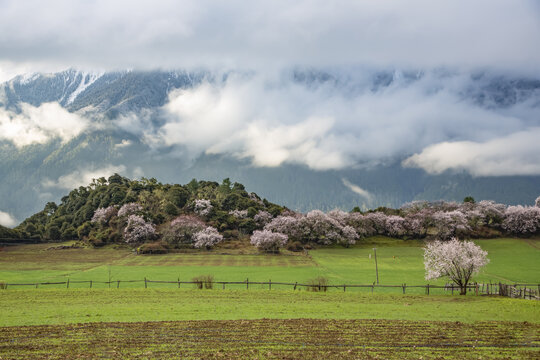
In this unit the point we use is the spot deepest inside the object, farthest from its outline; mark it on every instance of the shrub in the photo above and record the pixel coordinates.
(295, 246)
(3, 285)
(204, 281)
(320, 283)
(158, 247)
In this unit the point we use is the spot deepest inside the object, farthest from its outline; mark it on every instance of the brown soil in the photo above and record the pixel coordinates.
(274, 339)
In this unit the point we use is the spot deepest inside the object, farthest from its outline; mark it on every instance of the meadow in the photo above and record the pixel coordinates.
(399, 261)
(164, 321)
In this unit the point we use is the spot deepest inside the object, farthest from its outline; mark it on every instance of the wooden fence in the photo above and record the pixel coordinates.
(525, 291)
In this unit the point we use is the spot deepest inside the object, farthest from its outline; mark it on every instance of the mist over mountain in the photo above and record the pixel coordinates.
(304, 137)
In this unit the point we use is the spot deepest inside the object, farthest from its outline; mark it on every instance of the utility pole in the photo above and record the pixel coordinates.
(376, 268)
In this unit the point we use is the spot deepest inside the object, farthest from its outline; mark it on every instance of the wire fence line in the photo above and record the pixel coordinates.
(516, 290)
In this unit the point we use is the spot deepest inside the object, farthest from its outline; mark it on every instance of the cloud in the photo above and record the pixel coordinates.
(273, 120)
(249, 118)
(356, 189)
(38, 125)
(82, 177)
(237, 34)
(124, 143)
(7, 220)
(514, 154)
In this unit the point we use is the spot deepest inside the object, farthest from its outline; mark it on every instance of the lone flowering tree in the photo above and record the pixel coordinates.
(458, 260)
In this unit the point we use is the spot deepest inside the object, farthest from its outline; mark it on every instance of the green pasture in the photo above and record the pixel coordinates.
(62, 306)
(512, 260)
(399, 262)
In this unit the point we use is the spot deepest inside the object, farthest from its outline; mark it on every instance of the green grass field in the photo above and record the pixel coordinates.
(511, 260)
(164, 321)
(62, 306)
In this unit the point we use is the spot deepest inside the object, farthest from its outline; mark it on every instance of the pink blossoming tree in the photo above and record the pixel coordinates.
(522, 220)
(456, 259)
(180, 233)
(268, 241)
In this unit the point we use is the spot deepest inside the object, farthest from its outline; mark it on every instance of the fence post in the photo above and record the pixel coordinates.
(270, 284)
(179, 283)
(67, 284)
(118, 284)
(223, 285)
(295, 285)
(344, 286)
(427, 289)
(476, 288)
(404, 286)
(372, 287)
(145, 286)
(452, 288)
(247, 284)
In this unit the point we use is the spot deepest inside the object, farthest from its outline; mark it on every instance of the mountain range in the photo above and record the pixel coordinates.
(69, 127)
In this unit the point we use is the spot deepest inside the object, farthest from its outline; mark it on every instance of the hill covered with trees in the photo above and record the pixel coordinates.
(156, 217)
(100, 212)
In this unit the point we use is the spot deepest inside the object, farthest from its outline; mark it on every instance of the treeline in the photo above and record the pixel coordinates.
(156, 217)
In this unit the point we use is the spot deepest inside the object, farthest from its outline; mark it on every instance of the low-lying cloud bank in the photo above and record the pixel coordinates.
(322, 120)
(325, 126)
(38, 125)
(515, 154)
(83, 177)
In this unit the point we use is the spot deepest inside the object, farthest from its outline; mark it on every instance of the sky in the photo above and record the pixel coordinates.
(267, 34)
(270, 120)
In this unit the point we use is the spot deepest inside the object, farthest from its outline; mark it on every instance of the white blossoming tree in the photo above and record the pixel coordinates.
(203, 207)
(129, 209)
(456, 259)
(103, 215)
(138, 230)
(207, 238)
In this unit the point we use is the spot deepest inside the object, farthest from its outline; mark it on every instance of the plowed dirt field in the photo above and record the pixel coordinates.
(274, 339)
